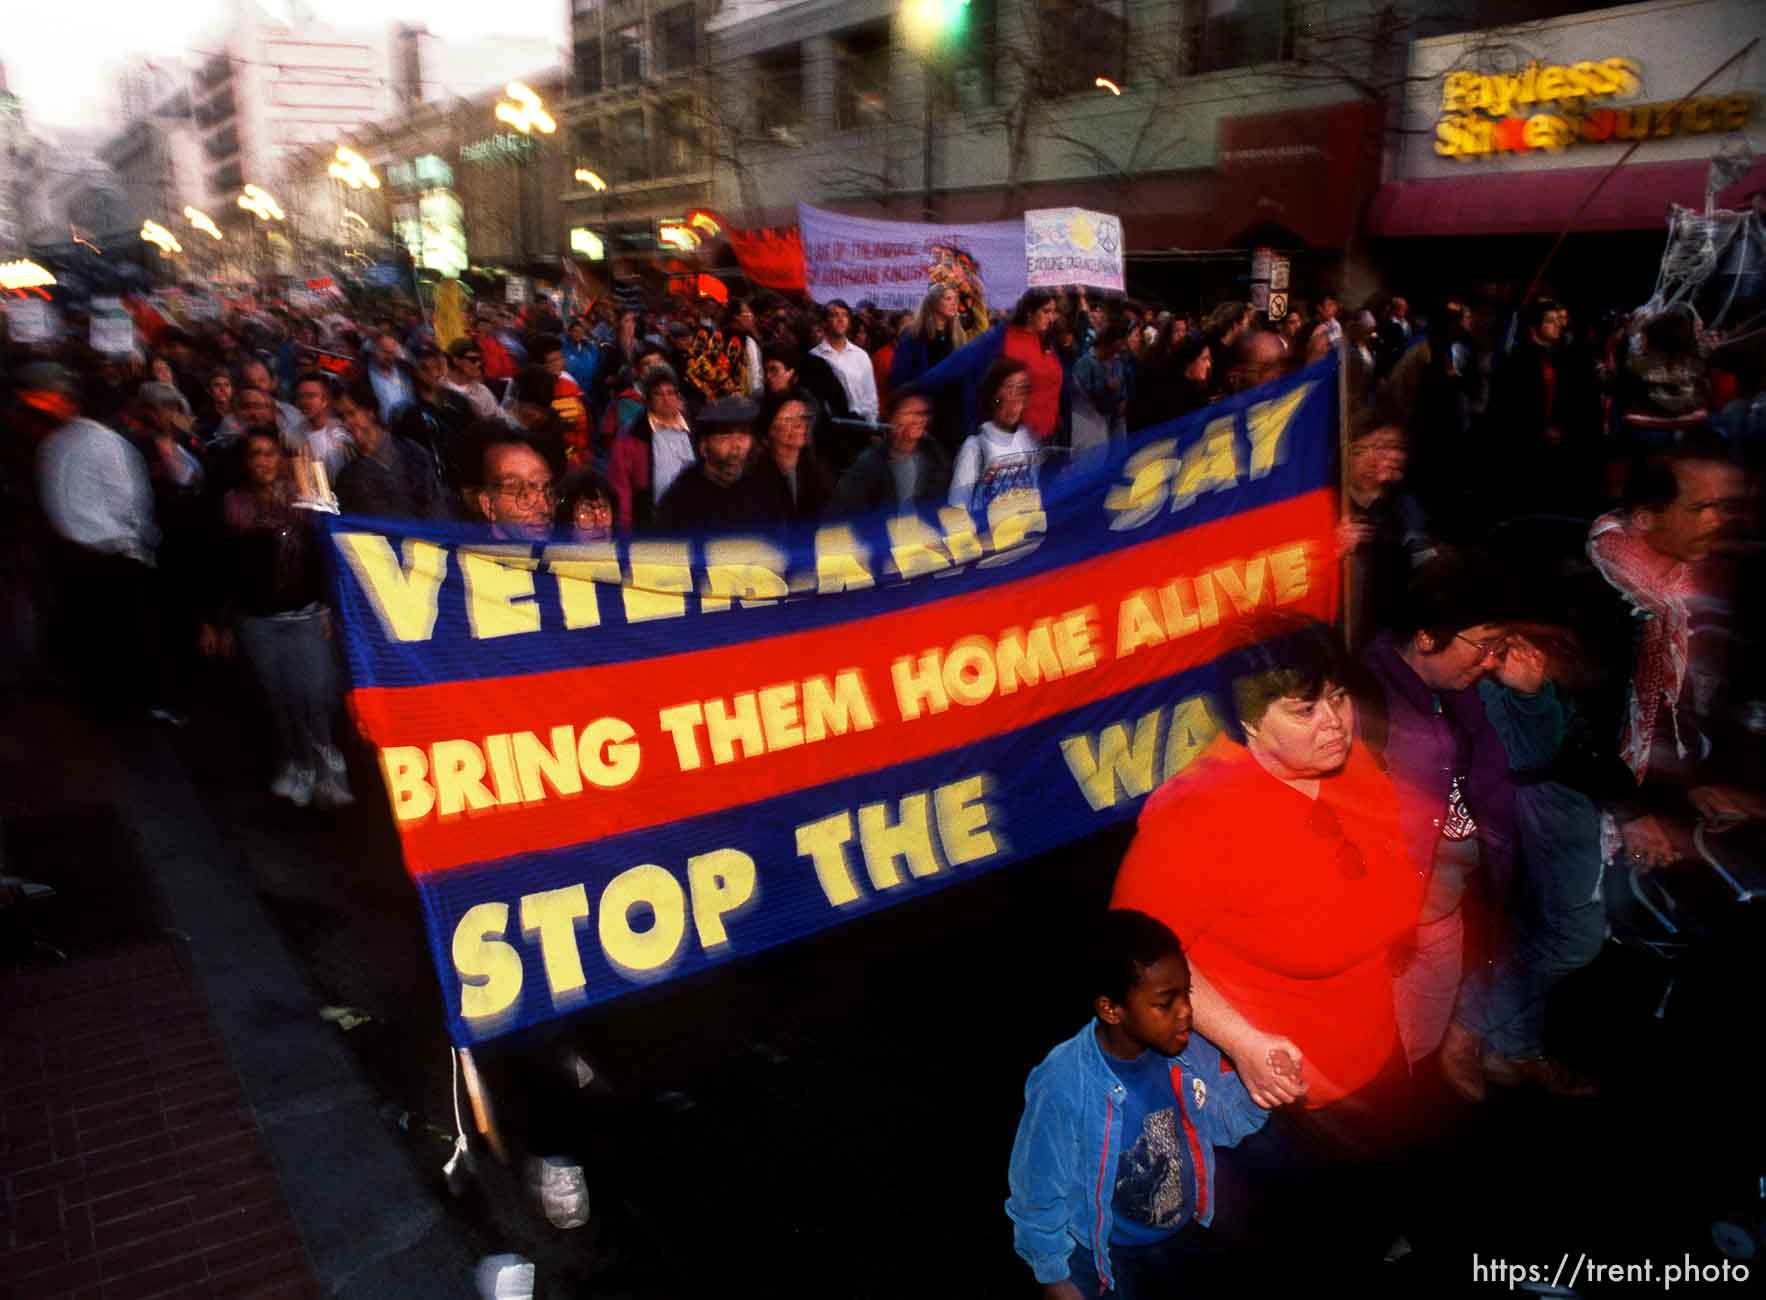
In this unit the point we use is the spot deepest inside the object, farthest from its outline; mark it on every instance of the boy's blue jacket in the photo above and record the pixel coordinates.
(1063, 1171)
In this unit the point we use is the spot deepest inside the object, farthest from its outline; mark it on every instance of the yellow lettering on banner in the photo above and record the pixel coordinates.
(1267, 423)
(914, 548)
(842, 561)
(969, 673)
(552, 918)
(836, 710)
(499, 590)
(581, 572)
(721, 882)
(1207, 602)
(779, 717)
(1118, 766)
(749, 569)
(404, 594)
(909, 839)
(1015, 528)
(1073, 641)
(959, 535)
(1192, 726)
(607, 753)
(489, 969)
(641, 953)
(1244, 585)
(1288, 573)
(680, 722)
(1137, 501)
(918, 684)
(499, 752)
(659, 582)
(404, 768)
(537, 766)
(727, 729)
(962, 821)
(1209, 466)
(1136, 624)
(459, 777)
(1178, 620)
(824, 843)
(1027, 659)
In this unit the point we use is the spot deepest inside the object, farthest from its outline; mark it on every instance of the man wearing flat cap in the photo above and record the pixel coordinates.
(719, 493)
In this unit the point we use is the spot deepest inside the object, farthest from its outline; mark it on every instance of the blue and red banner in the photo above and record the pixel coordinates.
(621, 763)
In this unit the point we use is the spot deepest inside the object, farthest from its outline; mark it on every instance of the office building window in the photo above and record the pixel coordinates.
(679, 153)
(778, 90)
(861, 77)
(676, 46)
(588, 66)
(1220, 34)
(625, 56)
(629, 162)
(1083, 40)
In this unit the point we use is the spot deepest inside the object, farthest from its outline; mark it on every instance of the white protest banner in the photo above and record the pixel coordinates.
(1073, 246)
(894, 263)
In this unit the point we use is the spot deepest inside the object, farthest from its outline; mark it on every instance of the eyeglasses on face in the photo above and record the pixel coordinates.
(1486, 649)
(522, 491)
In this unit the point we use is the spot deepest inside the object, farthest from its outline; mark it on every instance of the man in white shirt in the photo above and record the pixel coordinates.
(466, 377)
(98, 501)
(850, 362)
(327, 441)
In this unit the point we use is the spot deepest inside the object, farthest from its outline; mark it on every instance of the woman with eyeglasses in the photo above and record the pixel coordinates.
(1001, 456)
(788, 453)
(585, 507)
(1277, 856)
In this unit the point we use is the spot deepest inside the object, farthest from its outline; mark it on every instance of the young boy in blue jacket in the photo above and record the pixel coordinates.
(1113, 1165)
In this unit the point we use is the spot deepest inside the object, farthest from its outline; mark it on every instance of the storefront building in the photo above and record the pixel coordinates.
(1510, 136)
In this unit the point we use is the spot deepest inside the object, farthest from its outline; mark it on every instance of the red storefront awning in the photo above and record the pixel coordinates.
(1543, 202)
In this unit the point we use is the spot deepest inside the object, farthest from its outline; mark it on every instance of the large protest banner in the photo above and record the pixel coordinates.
(1065, 246)
(893, 263)
(620, 763)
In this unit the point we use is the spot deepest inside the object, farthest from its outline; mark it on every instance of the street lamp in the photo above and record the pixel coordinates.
(23, 274)
(200, 220)
(934, 28)
(260, 204)
(584, 176)
(524, 111)
(160, 238)
(353, 169)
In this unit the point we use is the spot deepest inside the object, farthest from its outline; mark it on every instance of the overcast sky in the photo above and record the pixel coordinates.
(61, 55)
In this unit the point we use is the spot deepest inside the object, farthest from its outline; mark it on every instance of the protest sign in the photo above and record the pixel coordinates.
(32, 320)
(1065, 246)
(617, 763)
(894, 263)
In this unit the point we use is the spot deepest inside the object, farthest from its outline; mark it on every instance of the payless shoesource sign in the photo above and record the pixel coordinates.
(1553, 107)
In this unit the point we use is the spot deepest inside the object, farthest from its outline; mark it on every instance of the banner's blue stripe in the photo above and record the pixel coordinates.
(1035, 804)
(1077, 530)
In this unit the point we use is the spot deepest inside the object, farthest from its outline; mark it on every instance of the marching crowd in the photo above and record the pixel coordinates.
(1423, 818)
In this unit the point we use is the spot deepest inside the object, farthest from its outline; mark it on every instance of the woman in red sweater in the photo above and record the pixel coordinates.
(1028, 340)
(1279, 862)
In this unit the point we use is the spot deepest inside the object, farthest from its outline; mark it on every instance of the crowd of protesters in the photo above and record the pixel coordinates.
(1422, 818)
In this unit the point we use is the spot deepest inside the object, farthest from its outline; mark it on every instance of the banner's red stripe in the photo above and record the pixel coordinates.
(635, 691)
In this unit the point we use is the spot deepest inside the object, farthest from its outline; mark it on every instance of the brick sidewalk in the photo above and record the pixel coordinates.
(130, 1163)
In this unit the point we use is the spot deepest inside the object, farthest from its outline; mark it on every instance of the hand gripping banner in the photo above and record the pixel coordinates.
(621, 763)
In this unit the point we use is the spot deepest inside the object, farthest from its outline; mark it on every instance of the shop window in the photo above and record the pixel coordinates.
(588, 66)
(861, 77)
(625, 56)
(1219, 34)
(679, 146)
(778, 91)
(676, 45)
(1083, 40)
(629, 160)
